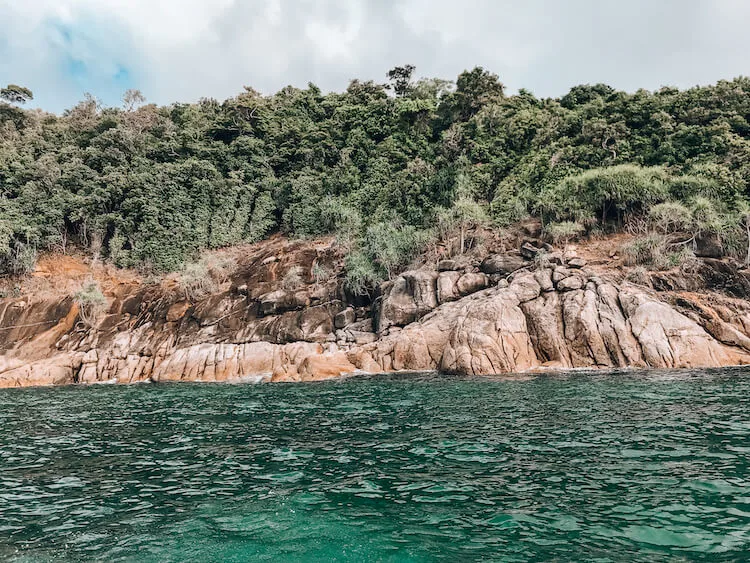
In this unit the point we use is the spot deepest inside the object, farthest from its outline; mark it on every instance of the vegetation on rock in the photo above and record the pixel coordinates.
(91, 303)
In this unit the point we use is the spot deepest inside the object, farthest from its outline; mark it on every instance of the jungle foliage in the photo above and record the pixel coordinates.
(384, 167)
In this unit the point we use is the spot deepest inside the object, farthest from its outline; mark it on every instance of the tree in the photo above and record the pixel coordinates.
(400, 78)
(132, 99)
(15, 94)
(475, 88)
(155, 185)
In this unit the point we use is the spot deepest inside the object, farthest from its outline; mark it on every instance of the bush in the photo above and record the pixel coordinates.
(195, 281)
(91, 303)
(705, 216)
(391, 247)
(199, 279)
(293, 278)
(320, 273)
(455, 221)
(564, 231)
(670, 217)
(507, 206)
(117, 254)
(646, 250)
(655, 252)
(603, 192)
(362, 276)
(220, 268)
(342, 219)
(685, 259)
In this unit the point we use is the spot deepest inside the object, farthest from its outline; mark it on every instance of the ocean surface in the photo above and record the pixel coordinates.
(623, 466)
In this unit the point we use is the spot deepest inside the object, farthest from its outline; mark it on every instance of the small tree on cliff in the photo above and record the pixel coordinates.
(91, 303)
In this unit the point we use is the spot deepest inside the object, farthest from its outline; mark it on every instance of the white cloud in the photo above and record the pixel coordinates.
(180, 50)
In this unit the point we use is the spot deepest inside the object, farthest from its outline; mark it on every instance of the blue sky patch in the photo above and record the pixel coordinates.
(89, 52)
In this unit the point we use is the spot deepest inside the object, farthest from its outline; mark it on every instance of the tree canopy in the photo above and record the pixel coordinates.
(149, 186)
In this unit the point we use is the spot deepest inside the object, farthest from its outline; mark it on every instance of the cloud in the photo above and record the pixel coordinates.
(180, 50)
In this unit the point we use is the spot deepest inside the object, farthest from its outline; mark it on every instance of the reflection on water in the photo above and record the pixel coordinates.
(620, 466)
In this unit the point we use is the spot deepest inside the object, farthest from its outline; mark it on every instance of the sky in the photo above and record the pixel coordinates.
(182, 50)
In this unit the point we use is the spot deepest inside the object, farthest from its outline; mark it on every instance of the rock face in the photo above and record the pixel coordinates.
(454, 321)
(407, 298)
(583, 321)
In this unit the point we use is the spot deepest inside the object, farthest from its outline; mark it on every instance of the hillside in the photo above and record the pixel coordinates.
(387, 169)
(417, 224)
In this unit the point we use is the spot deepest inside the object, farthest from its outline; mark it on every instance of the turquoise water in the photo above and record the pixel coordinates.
(615, 467)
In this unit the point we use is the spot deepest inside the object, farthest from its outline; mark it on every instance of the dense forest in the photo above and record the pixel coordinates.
(384, 167)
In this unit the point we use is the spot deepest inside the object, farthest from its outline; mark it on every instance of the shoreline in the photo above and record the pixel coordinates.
(658, 373)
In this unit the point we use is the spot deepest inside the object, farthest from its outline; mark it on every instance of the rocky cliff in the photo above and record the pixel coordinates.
(500, 313)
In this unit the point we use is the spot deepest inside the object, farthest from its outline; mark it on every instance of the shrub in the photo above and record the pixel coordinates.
(91, 303)
(320, 273)
(564, 231)
(362, 276)
(646, 250)
(195, 281)
(342, 219)
(199, 279)
(705, 216)
(604, 191)
(685, 259)
(670, 216)
(262, 218)
(456, 220)
(655, 252)
(292, 279)
(391, 247)
(117, 254)
(220, 268)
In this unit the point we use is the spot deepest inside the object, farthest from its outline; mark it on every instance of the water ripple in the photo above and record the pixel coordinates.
(610, 467)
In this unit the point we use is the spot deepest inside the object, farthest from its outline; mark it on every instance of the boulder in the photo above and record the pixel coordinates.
(365, 325)
(409, 297)
(555, 257)
(544, 278)
(177, 311)
(344, 318)
(532, 228)
(502, 264)
(667, 337)
(324, 366)
(529, 251)
(709, 246)
(446, 286)
(447, 265)
(525, 288)
(471, 283)
(571, 283)
(576, 263)
(560, 273)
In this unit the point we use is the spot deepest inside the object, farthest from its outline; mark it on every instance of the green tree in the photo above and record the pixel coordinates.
(400, 78)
